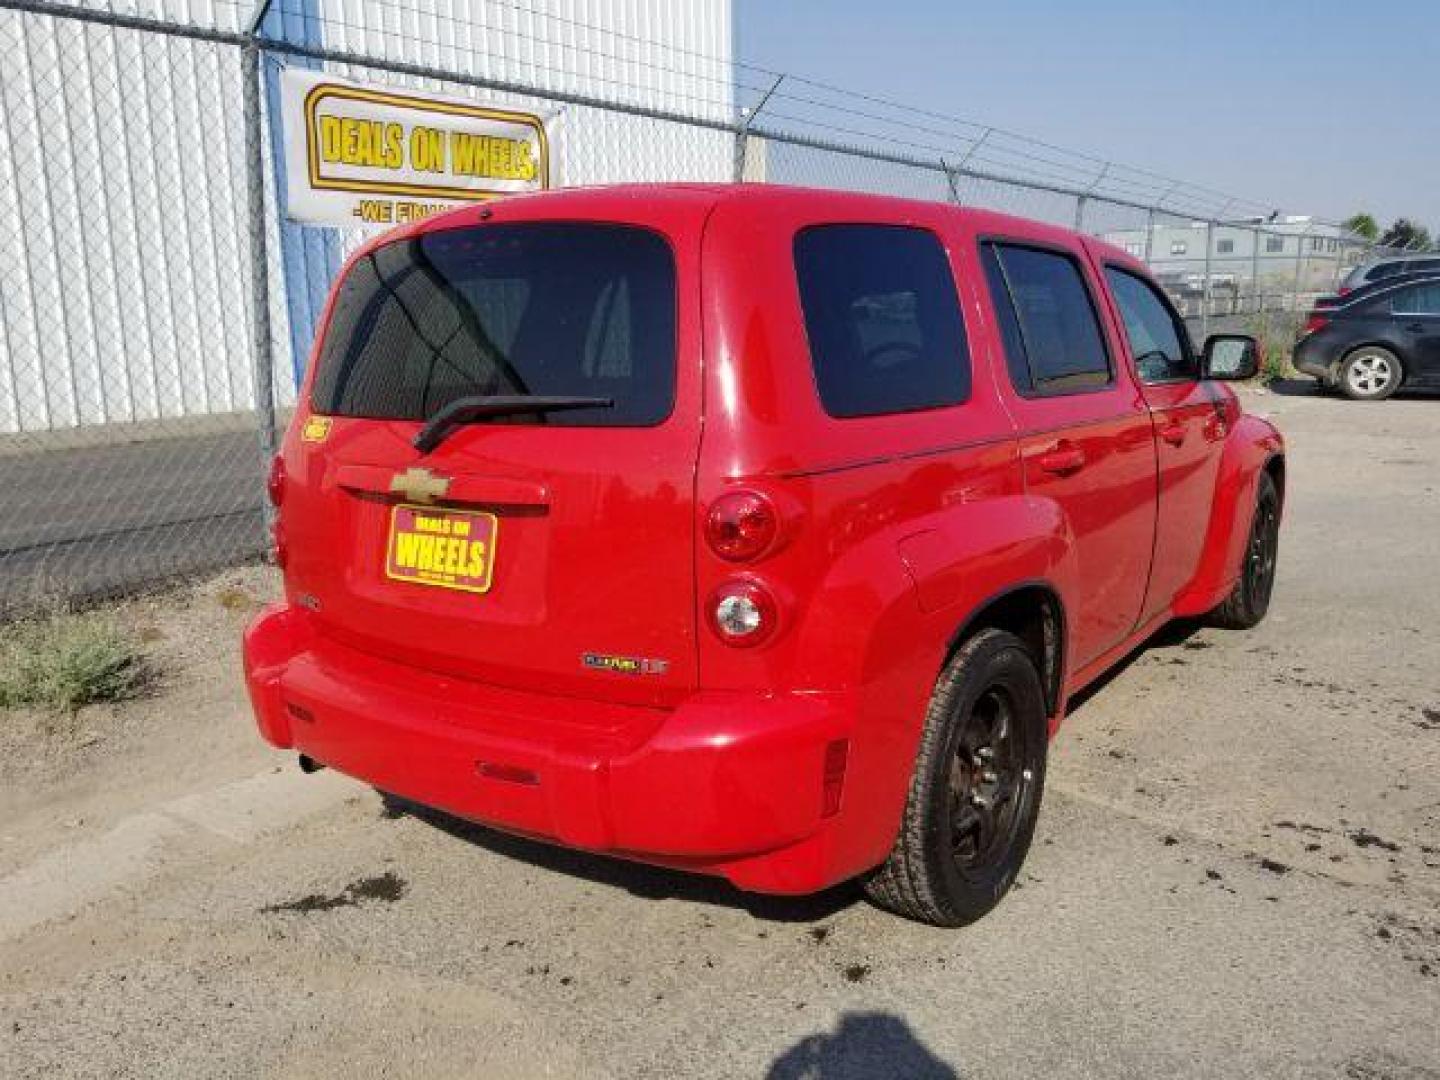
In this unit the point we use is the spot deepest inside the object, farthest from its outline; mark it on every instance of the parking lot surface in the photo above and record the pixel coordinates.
(1236, 873)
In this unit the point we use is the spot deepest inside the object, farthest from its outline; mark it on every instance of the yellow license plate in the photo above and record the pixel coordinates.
(450, 549)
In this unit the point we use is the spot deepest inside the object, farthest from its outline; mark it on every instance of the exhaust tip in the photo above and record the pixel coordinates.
(309, 764)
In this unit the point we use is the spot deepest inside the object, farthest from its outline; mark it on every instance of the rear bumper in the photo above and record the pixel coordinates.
(1312, 360)
(725, 783)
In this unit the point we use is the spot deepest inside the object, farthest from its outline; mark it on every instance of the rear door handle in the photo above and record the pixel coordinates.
(1063, 459)
(1415, 327)
(1173, 433)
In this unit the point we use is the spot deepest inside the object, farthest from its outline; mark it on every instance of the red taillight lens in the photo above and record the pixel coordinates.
(741, 526)
(742, 612)
(275, 482)
(1315, 322)
(1345, 290)
(837, 756)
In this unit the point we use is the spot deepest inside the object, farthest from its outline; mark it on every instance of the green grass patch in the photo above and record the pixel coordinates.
(63, 661)
(1276, 332)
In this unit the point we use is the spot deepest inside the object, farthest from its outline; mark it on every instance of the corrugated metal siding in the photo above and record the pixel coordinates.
(121, 226)
(124, 289)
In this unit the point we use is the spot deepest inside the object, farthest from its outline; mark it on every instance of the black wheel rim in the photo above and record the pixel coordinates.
(988, 781)
(1260, 557)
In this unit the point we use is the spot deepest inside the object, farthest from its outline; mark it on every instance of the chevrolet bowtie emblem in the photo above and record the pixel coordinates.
(420, 485)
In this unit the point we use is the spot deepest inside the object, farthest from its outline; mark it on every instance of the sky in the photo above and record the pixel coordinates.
(1320, 107)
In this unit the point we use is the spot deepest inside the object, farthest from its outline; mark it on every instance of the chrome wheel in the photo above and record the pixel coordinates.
(1370, 373)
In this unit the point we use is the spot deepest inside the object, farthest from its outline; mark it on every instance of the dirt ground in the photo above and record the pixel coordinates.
(1237, 870)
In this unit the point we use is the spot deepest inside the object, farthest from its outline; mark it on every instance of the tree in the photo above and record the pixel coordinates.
(1363, 225)
(1406, 234)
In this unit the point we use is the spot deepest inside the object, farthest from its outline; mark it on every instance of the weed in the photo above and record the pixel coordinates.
(63, 661)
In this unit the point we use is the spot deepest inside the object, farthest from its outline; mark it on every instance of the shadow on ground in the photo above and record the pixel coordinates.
(1294, 387)
(1173, 635)
(1311, 388)
(866, 1044)
(638, 879)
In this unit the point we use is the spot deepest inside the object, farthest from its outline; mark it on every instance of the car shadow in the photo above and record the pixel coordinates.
(1295, 387)
(1311, 388)
(638, 879)
(1173, 635)
(866, 1044)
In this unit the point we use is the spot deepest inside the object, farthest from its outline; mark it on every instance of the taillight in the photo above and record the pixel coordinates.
(837, 756)
(1315, 322)
(743, 612)
(741, 526)
(275, 482)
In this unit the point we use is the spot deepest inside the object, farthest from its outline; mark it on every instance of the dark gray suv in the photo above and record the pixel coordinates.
(1388, 268)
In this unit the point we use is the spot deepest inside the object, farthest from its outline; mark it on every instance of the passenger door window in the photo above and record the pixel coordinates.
(1158, 340)
(1052, 335)
(883, 319)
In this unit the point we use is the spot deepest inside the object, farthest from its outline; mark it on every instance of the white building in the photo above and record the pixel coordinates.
(124, 287)
(1276, 253)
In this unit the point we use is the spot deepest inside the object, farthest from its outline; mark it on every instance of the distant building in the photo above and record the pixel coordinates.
(1279, 254)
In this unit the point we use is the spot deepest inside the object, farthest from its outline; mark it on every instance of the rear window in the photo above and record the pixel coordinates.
(526, 309)
(883, 319)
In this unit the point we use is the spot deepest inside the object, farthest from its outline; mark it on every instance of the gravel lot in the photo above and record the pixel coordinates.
(1237, 871)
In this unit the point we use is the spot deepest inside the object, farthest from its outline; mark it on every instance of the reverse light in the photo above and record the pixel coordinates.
(275, 482)
(742, 612)
(741, 526)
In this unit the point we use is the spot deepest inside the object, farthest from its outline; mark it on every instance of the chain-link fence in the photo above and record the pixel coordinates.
(156, 305)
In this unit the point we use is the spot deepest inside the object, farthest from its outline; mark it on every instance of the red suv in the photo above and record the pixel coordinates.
(755, 531)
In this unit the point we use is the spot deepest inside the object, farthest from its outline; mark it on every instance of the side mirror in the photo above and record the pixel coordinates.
(1232, 357)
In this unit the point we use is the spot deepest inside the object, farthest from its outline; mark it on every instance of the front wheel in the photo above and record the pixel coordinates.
(975, 792)
(1250, 599)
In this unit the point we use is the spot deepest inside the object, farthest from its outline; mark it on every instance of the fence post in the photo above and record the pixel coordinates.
(1299, 268)
(1149, 233)
(1255, 271)
(1205, 284)
(1080, 201)
(264, 348)
(950, 182)
(742, 132)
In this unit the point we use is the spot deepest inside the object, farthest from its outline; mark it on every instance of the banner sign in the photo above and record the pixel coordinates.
(358, 155)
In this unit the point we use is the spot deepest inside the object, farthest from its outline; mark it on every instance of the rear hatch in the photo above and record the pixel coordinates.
(532, 545)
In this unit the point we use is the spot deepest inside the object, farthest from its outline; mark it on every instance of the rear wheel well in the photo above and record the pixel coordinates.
(1034, 615)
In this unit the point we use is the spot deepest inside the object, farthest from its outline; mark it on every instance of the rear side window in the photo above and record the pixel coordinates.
(1157, 338)
(883, 319)
(1052, 321)
(1416, 300)
(526, 309)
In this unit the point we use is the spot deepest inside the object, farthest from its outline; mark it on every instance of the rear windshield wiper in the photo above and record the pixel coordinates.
(486, 406)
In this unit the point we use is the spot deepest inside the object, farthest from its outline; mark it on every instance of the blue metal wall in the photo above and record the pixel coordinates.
(310, 255)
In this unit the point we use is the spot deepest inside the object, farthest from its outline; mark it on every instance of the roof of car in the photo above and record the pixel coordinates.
(819, 201)
(1372, 289)
(1409, 256)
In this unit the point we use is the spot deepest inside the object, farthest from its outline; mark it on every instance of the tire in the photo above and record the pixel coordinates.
(1370, 373)
(944, 869)
(1250, 599)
